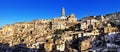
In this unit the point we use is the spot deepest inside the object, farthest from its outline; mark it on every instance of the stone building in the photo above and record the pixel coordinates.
(48, 46)
(85, 45)
(23, 27)
(60, 23)
(41, 26)
(109, 29)
(60, 45)
(95, 32)
(72, 18)
(8, 30)
(31, 33)
(95, 23)
(64, 18)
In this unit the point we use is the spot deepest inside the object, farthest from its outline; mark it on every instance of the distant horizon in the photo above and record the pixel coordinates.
(12, 11)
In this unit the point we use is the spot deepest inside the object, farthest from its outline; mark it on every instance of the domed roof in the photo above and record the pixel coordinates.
(72, 15)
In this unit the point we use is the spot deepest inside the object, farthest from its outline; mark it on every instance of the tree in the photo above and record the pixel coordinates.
(59, 31)
(113, 23)
(71, 28)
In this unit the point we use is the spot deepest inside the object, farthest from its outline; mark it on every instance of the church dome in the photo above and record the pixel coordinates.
(72, 18)
(72, 15)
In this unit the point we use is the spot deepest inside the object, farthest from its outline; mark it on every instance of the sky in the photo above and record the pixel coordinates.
(12, 11)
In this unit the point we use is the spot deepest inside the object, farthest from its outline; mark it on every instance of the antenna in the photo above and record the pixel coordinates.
(88, 14)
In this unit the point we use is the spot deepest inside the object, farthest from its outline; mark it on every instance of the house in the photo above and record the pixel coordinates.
(95, 32)
(83, 25)
(37, 45)
(109, 28)
(8, 30)
(60, 45)
(48, 46)
(68, 37)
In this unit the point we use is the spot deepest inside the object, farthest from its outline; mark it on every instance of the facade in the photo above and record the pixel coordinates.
(43, 32)
(60, 45)
(95, 23)
(8, 30)
(72, 18)
(109, 29)
(60, 23)
(48, 47)
(85, 45)
(95, 32)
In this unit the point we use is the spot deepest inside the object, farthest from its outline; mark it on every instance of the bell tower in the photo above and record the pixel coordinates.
(63, 12)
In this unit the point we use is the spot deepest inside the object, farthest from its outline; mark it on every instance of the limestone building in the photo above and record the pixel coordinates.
(65, 18)
(8, 30)
(90, 22)
(31, 33)
(109, 29)
(61, 23)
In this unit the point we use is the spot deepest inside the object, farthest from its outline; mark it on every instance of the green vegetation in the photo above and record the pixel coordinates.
(76, 27)
(72, 28)
(59, 31)
(113, 23)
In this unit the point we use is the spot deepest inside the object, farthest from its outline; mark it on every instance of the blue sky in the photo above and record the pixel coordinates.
(12, 11)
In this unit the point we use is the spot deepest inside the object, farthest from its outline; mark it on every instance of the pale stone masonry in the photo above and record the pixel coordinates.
(43, 32)
(36, 31)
